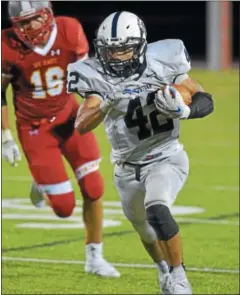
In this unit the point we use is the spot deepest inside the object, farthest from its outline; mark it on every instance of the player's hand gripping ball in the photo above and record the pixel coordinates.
(172, 102)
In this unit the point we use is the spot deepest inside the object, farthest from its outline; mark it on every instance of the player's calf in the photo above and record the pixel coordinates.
(167, 230)
(150, 243)
(92, 188)
(145, 231)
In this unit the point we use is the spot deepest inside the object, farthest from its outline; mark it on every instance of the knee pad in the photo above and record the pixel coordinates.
(92, 185)
(63, 204)
(145, 231)
(160, 218)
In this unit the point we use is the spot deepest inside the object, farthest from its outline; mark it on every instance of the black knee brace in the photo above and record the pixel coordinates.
(160, 218)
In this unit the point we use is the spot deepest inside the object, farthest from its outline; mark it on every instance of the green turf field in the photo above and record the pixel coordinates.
(44, 255)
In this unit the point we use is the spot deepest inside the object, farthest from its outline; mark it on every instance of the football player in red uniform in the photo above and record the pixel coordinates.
(35, 55)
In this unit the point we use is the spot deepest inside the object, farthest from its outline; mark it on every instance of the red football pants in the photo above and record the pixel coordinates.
(44, 146)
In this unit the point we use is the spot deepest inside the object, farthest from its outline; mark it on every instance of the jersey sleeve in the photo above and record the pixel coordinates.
(180, 60)
(6, 65)
(6, 68)
(76, 81)
(83, 78)
(76, 38)
(82, 46)
(173, 57)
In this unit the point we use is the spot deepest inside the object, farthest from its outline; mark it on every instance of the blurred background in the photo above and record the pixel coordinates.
(210, 30)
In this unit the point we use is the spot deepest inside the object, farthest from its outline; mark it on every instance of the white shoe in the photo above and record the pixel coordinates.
(96, 264)
(165, 282)
(181, 287)
(36, 196)
(102, 268)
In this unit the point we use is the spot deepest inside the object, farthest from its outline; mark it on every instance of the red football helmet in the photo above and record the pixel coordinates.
(22, 12)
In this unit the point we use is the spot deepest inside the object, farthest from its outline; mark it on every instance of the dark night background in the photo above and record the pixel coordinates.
(183, 20)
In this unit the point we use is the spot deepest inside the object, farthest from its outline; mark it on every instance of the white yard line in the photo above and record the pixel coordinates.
(124, 265)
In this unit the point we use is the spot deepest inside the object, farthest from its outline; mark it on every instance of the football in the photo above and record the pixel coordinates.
(184, 92)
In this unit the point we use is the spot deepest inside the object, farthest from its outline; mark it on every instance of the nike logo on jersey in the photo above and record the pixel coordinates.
(150, 75)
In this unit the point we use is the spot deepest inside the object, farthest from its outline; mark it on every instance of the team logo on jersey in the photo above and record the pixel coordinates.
(139, 89)
(55, 52)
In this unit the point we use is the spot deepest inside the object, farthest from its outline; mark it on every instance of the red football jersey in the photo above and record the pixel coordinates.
(39, 75)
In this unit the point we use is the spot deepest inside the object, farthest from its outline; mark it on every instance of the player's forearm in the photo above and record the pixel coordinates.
(6, 80)
(191, 86)
(5, 122)
(88, 119)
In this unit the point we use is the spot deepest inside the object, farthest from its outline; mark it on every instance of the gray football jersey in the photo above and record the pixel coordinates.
(134, 127)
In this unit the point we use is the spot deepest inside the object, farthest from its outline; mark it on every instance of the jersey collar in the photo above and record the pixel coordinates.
(44, 51)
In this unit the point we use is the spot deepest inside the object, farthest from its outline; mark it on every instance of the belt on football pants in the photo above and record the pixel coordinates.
(138, 167)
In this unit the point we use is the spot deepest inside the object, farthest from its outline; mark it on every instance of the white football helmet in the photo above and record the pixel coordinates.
(121, 44)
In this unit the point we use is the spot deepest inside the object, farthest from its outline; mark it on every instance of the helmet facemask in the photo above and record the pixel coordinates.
(121, 58)
(34, 37)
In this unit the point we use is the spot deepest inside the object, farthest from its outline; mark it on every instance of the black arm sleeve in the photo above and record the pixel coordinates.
(4, 99)
(201, 106)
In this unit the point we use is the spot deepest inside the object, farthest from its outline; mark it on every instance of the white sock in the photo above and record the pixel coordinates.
(162, 266)
(178, 272)
(94, 251)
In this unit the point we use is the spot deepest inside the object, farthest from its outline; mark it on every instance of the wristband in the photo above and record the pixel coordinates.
(6, 135)
(186, 112)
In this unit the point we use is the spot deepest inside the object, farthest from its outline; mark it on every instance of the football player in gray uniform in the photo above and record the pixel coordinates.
(128, 87)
